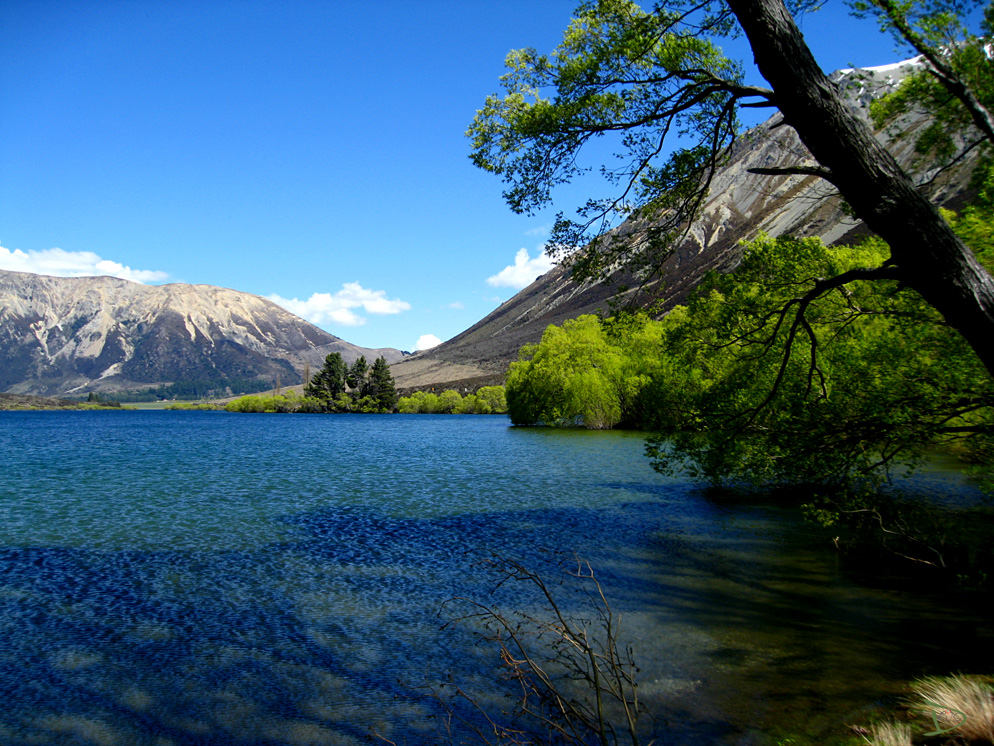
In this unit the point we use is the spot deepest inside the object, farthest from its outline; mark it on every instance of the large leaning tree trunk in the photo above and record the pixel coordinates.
(926, 255)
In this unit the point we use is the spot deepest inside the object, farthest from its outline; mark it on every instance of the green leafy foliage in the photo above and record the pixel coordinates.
(808, 365)
(490, 400)
(200, 406)
(356, 376)
(657, 86)
(635, 77)
(420, 402)
(330, 380)
(449, 401)
(287, 402)
(486, 400)
(955, 123)
(773, 382)
(587, 373)
(773, 374)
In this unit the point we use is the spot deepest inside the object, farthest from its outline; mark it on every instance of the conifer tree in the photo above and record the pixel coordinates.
(329, 383)
(356, 377)
(381, 385)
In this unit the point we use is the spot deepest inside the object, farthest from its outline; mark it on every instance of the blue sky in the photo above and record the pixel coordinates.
(308, 151)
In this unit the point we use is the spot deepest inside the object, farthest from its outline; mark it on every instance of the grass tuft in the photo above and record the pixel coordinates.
(959, 697)
(890, 734)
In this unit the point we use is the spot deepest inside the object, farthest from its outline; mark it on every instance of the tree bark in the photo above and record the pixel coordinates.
(930, 258)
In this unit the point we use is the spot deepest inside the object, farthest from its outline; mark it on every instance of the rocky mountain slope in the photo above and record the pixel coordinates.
(740, 206)
(71, 336)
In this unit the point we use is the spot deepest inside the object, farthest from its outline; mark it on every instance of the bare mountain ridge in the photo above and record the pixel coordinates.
(740, 206)
(69, 336)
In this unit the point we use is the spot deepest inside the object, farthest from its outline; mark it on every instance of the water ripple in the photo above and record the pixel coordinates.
(196, 578)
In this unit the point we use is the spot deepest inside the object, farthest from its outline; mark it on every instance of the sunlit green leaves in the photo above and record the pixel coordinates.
(587, 373)
(487, 400)
(857, 383)
(939, 23)
(956, 96)
(778, 373)
(646, 80)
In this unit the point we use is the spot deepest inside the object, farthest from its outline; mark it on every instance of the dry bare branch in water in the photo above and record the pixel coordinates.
(574, 679)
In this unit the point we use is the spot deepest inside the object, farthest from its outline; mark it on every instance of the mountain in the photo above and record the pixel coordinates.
(70, 336)
(740, 206)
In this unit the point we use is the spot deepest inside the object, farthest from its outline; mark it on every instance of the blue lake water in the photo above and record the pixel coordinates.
(180, 578)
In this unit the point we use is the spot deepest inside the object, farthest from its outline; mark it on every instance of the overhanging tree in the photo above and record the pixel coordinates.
(877, 382)
(654, 77)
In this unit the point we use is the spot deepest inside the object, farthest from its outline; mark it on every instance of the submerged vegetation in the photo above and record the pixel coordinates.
(574, 679)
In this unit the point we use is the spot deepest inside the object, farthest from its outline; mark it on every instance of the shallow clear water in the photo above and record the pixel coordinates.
(204, 578)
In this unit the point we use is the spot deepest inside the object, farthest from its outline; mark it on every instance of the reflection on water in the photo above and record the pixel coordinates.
(201, 578)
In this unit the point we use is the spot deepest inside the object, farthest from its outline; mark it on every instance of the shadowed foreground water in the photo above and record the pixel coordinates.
(203, 578)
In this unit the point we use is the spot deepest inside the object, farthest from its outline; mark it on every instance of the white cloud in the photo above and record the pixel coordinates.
(60, 263)
(456, 305)
(323, 308)
(542, 230)
(427, 341)
(523, 272)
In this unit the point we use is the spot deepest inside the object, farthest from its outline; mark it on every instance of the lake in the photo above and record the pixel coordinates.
(180, 578)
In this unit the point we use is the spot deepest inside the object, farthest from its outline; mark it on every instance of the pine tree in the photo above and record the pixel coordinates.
(356, 378)
(381, 386)
(329, 383)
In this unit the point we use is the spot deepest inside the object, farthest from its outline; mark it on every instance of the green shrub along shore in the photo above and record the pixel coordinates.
(488, 400)
(364, 389)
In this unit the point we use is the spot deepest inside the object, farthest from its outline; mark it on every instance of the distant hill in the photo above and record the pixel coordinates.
(71, 336)
(19, 402)
(739, 207)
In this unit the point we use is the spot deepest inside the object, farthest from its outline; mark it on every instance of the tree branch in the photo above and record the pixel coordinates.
(961, 156)
(941, 69)
(821, 173)
(821, 286)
